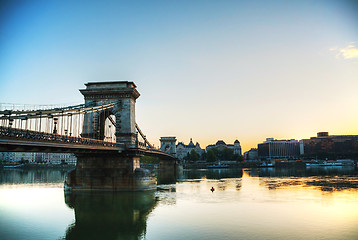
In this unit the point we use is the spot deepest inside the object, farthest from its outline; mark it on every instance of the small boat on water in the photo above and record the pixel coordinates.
(13, 166)
(219, 165)
(325, 164)
(266, 164)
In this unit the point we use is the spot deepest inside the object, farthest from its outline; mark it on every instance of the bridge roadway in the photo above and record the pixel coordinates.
(18, 140)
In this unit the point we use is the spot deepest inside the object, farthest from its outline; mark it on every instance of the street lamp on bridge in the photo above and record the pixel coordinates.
(55, 123)
(11, 120)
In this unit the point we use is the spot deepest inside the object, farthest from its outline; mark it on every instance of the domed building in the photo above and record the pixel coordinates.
(183, 150)
(220, 145)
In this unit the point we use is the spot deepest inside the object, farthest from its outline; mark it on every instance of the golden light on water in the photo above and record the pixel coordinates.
(245, 173)
(250, 203)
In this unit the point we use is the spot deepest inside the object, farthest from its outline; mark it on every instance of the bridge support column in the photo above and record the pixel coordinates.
(167, 172)
(110, 172)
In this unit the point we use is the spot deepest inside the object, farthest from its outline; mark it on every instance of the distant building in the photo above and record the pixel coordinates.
(220, 145)
(330, 146)
(39, 157)
(61, 158)
(7, 156)
(278, 149)
(252, 154)
(183, 150)
(24, 156)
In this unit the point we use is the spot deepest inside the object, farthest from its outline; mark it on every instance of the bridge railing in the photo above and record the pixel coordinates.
(143, 145)
(42, 136)
(31, 107)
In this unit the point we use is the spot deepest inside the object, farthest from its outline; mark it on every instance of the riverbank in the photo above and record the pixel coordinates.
(276, 164)
(247, 164)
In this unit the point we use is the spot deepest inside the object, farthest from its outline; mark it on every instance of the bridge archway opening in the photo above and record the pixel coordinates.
(106, 126)
(110, 128)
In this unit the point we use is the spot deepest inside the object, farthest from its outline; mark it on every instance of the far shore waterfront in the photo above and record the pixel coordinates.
(261, 164)
(278, 163)
(37, 165)
(206, 165)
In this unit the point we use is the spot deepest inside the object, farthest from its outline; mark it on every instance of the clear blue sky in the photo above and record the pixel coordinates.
(209, 70)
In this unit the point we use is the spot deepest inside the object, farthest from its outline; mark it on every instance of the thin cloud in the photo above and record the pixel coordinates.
(333, 49)
(349, 52)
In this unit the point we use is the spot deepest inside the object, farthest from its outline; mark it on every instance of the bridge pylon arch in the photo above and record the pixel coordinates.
(123, 95)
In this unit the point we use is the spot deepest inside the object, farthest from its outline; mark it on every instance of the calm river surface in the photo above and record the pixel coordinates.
(266, 203)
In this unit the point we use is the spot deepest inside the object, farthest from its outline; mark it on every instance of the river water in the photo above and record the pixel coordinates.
(266, 203)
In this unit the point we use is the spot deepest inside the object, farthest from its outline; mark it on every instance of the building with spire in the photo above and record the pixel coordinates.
(183, 150)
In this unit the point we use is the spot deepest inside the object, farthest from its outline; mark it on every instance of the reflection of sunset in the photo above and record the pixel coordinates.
(245, 173)
(323, 184)
(247, 204)
(274, 206)
(338, 205)
(312, 195)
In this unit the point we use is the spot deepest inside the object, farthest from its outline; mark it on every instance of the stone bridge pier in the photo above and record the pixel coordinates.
(110, 172)
(168, 169)
(118, 172)
(167, 172)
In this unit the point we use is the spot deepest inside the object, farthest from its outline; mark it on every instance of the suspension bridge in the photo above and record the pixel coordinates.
(102, 132)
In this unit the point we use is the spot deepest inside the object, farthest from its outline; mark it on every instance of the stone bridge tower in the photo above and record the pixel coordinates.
(123, 94)
(167, 144)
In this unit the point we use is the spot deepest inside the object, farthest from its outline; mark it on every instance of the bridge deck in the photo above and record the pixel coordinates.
(18, 140)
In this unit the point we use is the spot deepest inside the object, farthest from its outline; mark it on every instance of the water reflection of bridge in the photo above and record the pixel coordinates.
(110, 215)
